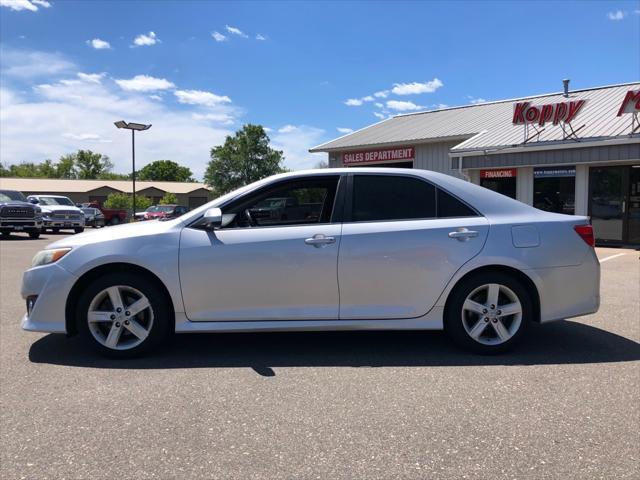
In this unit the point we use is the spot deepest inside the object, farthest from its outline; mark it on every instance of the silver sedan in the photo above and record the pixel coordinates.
(343, 249)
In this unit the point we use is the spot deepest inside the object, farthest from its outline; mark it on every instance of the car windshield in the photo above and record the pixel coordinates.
(165, 209)
(47, 201)
(8, 195)
(152, 208)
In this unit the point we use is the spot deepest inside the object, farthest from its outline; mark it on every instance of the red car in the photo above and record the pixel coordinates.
(164, 211)
(112, 216)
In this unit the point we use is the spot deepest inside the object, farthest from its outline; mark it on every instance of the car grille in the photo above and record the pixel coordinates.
(17, 212)
(66, 214)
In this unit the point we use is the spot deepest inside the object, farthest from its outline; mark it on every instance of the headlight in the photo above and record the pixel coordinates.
(45, 257)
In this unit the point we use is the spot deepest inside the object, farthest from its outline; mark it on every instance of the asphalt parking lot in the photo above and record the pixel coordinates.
(326, 405)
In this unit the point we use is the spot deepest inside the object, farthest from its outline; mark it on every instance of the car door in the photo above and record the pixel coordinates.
(273, 260)
(402, 241)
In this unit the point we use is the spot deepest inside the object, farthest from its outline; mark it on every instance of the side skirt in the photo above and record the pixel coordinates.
(431, 321)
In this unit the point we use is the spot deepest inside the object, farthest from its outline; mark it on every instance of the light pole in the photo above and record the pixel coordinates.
(133, 127)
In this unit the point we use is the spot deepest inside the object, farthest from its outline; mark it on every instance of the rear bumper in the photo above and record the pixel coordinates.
(567, 292)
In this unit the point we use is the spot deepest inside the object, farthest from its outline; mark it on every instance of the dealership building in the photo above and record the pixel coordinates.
(574, 152)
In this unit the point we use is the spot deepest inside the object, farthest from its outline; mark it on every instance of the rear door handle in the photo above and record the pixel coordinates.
(319, 240)
(463, 234)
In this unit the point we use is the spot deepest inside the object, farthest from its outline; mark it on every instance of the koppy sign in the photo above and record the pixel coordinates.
(524, 112)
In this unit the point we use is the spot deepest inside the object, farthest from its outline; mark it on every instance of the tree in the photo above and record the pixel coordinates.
(123, 200)
(165, 171)
(66, 166)
(90, 165)
(244, 158)
(169, 199)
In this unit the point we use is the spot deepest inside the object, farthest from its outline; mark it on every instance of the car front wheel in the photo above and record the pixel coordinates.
(34, 234)
(488, 313)
(123, 315)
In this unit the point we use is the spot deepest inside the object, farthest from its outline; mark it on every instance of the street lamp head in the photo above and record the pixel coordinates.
(132, 125)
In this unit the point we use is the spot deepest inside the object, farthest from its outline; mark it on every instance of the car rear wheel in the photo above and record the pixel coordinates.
(115, 220)
(123, 315)
(78, 230)
(488, 313)
(34, 234)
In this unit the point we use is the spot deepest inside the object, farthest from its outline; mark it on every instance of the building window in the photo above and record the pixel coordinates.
(501, 180)
(554, 189)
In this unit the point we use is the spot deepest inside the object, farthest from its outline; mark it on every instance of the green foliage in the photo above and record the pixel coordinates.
(244, 158)
(83, 164)
(124, 200)
(90, 165)
(322, 164)
(166, 171)
(169, 199)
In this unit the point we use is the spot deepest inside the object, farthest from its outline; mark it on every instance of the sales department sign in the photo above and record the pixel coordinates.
(384, 155)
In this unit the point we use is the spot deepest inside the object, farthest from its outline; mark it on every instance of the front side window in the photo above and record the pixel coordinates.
(392, 197)
(298, 202)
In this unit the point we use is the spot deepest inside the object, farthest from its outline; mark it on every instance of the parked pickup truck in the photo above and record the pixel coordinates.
(18, 215)
(58, 213)
(112, 216)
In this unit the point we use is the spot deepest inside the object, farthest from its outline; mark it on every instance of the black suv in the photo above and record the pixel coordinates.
(18, 215)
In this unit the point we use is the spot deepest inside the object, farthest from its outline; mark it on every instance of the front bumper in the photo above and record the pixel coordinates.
(51, 284)
(55, 223)
(20, 224)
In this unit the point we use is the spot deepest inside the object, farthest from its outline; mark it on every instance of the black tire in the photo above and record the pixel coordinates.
(34, 234)
(5, 234)
(114, 221)
(55, 230)
(161, 328)
(453, 317)
(79, 230)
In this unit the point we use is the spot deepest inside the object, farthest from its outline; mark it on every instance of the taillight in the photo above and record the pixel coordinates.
(586, 233)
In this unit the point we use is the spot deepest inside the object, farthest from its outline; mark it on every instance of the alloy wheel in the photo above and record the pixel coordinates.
(492, 314)
(120, 317)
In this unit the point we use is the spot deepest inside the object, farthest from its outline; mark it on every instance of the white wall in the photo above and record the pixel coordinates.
(524, 185)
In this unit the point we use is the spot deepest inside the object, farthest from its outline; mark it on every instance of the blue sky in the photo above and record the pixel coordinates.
(199, 70)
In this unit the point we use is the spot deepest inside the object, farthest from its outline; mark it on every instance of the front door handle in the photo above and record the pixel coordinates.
(319, 240)
(463, 234)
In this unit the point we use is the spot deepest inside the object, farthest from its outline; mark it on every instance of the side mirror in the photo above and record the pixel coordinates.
(34, 201)
(212, 218)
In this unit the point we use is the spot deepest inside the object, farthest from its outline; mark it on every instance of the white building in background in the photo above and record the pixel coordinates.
(569, 152)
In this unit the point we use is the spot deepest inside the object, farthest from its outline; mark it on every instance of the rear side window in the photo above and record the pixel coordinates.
(392, 197)
(449, 206)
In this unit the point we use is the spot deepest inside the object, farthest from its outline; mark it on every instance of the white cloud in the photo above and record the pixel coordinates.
(344, 130)
(44, 126)
(157, 98)
(295, 143)
(353, 102)
(235, 31)
(223, 118)
(368, 98)
(144, 83)
(402, 106)
(31, 5)
(475, 100)
(146, 40)
(260, 37)
(287, 129)
(617, 15)
(91, 77)
(379, 115)
(381, 94)
(379, 105)
(199, 97)
(417, 87)
(99, 44)
(218, 37)
(33, 64)
(267, 129)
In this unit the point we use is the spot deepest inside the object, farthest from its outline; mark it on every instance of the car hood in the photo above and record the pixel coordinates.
(125, 230)
(56, 208)
(17, 203)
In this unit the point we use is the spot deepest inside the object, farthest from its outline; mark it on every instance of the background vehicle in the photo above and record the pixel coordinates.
(93, 217)
(164, 211)
(418, 250)
(58, 213)
(18, 215)
(112, 216)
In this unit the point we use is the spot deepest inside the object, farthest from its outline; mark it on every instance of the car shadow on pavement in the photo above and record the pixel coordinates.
(564, 342)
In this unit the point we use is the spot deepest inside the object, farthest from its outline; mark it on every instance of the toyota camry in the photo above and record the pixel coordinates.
(338, 249)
